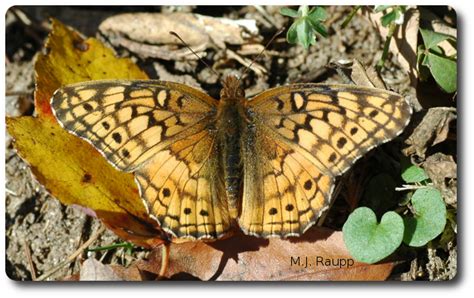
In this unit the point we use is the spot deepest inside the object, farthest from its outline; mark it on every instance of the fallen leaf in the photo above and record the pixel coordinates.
(93, 270)
(433, 129)
(75, 173)
(442, 170)
(70, 168)
(71, 58)
(320, 254)
(147, 34)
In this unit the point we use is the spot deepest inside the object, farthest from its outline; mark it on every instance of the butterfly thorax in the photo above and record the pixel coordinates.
(230, 121)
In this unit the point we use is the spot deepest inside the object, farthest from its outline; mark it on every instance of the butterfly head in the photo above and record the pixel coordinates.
(231, 88)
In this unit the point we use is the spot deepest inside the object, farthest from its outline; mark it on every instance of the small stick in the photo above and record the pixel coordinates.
(30, 260)
(410, 187)
(73, 256)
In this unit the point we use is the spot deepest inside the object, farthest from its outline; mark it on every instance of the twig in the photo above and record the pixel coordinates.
(29, 259)
(410, 187)
(19, 93)
(11, 192)
(73, 256)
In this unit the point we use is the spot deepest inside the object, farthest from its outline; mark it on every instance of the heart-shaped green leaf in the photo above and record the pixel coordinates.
(369, 241)
(413, 174)
(429, 219)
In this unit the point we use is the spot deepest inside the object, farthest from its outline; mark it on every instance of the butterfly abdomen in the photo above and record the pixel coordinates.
(229, 122)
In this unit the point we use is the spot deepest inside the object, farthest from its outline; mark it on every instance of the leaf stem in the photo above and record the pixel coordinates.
(391, 31)
(111, 246)
(350, 16)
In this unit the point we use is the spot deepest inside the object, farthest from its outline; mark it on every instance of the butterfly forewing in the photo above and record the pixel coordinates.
(130, 121)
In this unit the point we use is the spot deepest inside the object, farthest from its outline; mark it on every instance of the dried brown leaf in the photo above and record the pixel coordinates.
(432, 130)
(442, 170)
(93, 270)
(147, 34)
(248, 258)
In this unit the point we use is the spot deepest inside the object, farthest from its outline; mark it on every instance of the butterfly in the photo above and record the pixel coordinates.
(203, 166)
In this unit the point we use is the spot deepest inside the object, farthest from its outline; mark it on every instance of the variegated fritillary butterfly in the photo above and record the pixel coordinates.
(202, 165)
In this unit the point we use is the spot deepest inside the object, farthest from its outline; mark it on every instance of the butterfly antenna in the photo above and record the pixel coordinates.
(189, 48)
(261, 53)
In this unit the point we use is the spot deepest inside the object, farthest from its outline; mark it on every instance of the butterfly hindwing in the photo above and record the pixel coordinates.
(284, 192)
(183, 191)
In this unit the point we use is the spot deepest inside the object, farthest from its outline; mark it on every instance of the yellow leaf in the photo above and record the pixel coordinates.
(75, 173)
(70, 168)
(70, 58)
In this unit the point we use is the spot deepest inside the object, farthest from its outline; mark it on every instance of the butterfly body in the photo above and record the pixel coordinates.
(203, 165)
(231, 127)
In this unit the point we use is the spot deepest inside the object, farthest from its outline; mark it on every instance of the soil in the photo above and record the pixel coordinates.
(38, 227)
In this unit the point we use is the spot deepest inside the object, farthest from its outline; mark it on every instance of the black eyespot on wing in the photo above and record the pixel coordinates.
(117, 137)
(166, 192)
(341, 142)
(308, 184)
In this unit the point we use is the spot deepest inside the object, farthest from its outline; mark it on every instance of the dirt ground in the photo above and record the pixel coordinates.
(40, 231)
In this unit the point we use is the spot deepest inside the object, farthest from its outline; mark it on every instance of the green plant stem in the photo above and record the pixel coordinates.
(350, 16)
(112, 246)
(386, 46)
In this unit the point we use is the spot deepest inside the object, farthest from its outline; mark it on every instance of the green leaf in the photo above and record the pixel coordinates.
(389, 18)
(292, 35)
(305, 34)
(317, 14)
(429, 219)
(414, 174)
(431, 38)
(318, 27)
(444, 71)
(289, 12)
(369, 241)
